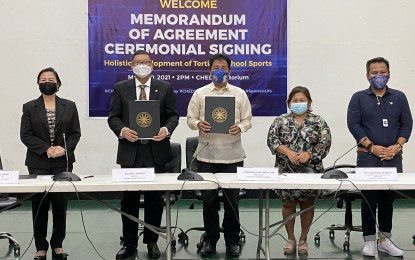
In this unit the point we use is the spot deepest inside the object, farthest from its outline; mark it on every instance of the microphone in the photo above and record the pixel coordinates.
(188, 174)
(66, 154)
(67, 175)
(333, 173)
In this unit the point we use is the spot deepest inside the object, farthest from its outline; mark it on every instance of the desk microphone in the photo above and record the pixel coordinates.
(188, 174)
(333, 173)
(67, 175)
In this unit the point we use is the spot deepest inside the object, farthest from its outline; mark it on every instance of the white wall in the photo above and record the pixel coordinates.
(329, 43)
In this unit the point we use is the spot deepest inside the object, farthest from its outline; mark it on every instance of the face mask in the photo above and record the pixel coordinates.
(48, 88)
(220, 76)
(142, 70)
(299, 108)
(379, 81)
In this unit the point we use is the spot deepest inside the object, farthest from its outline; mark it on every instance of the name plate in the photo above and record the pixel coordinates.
(45, 177)
(9, 177)
(377, 174)
(132, 174)
(256, 174)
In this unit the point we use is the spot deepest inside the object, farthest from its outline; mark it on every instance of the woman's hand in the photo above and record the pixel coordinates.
(49, 152)
(293, 157)
(55, 151)
(60, 151)
(304, 157)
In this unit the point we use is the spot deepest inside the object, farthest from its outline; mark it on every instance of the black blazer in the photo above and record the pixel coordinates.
(34, 132)
(124, 92)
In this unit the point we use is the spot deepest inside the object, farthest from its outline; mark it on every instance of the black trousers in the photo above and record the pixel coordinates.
(211, 205)
(40, 213)
(153, 202)
(382, 200)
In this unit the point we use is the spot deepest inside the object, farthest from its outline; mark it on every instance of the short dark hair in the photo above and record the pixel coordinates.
(49, 69)
(299, 89)
(376, 60)
(140, 52)
(219, 56)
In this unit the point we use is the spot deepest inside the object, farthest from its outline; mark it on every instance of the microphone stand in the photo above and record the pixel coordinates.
(66, 175)
(334, 173)
(188, 174)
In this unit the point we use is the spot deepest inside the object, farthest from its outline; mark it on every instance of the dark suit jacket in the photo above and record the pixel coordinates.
(34, 132)
(124, 92)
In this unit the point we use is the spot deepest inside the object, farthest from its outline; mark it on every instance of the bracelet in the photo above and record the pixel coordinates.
(400, 146)
(369, 147)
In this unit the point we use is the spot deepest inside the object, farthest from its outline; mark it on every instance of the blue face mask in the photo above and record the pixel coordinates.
(379, 81)
(299, 108)
(220, 76)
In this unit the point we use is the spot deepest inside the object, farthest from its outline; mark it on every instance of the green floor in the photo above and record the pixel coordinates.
(103, 227)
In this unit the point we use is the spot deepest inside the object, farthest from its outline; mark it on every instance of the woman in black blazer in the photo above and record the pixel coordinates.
(46, 121)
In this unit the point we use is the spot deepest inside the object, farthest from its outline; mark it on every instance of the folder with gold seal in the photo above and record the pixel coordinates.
(220, 113)
(144, 118)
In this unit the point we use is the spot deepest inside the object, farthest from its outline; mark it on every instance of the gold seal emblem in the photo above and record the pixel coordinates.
(143, 119)
(219, 115)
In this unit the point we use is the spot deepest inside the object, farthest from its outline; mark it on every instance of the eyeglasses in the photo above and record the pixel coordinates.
(144, 62)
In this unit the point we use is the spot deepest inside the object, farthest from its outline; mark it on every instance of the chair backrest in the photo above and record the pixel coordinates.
(191, 145)
(345, 194)
(175, 163)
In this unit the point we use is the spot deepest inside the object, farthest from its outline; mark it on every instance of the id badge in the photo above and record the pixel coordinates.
(385, 122)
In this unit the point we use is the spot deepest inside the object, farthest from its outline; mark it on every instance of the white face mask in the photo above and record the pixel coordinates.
(142, 70)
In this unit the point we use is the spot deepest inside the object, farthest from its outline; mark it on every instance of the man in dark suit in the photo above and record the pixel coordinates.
(135, 153)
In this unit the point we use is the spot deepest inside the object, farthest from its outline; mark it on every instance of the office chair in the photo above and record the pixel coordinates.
(343, 197)
(191, 164)
(173, 166)
(9, 203)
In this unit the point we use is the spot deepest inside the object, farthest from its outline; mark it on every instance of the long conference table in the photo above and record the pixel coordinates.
(168, 182)
(406, 181)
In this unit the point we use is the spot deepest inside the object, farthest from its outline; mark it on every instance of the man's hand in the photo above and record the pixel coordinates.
(161, 135)
(234, 129)
(384, 153)
(129, 134)
(204, 126)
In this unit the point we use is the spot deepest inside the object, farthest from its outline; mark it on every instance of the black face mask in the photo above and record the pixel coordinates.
(48, 88)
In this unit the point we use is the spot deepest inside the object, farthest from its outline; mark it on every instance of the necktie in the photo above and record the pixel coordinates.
(143, 95)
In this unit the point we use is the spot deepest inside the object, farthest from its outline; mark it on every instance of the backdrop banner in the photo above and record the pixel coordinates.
(181, 35)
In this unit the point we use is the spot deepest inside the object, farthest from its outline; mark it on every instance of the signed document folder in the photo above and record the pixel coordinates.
(144, 118)
(220, 113)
